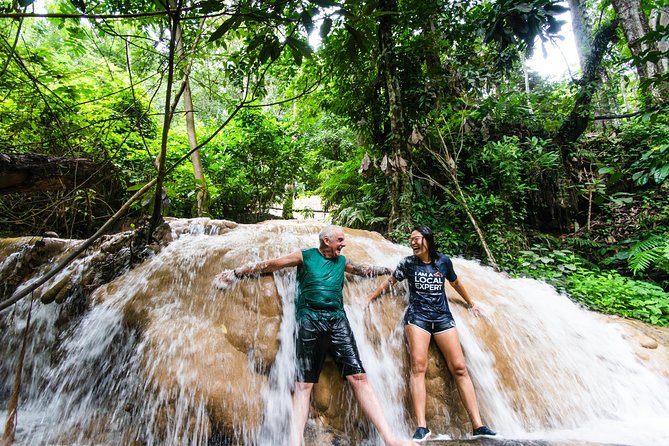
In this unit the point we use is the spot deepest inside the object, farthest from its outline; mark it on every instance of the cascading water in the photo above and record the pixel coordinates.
(159, 356)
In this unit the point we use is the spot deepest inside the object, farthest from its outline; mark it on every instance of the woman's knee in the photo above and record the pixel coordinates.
(459, 370)
(418, 365)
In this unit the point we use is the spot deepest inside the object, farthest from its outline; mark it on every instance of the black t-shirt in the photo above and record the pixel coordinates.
(427, 295)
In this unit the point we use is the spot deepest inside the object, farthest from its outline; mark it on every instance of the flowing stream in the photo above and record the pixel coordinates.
(159, 356)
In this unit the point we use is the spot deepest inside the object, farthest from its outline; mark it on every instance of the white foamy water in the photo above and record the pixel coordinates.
(158, 356)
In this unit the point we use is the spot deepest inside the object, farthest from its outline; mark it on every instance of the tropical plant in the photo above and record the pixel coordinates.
(651, 253)
(612, 293)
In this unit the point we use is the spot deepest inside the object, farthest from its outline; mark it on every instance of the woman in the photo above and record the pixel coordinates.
(428, 316)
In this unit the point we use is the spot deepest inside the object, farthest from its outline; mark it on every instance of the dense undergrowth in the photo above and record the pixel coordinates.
(565, 181)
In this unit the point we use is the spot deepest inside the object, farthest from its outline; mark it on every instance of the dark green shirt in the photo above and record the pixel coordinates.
(319, 286)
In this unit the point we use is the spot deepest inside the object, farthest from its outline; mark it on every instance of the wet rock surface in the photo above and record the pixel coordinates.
(511, 442)
(205, 356)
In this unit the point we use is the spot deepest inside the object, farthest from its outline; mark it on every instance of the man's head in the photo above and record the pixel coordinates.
(332, 241)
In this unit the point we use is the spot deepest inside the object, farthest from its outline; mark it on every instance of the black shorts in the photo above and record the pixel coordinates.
(431, 326)
(316, 338)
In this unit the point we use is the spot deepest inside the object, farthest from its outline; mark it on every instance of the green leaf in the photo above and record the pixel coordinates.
(297, 54)
(358, 37)
(264, 53)
(232, 22)
(325, 3)
(300, 45)
(275, 49)
(326, 27)
(307, 21)
(661, 173)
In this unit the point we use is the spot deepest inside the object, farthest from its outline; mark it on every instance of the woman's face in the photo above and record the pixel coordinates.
(418, 244)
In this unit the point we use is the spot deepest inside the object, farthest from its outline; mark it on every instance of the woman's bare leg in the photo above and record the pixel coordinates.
(419, 343)
(449, 344)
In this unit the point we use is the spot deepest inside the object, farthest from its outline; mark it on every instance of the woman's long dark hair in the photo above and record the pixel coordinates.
(428, 235)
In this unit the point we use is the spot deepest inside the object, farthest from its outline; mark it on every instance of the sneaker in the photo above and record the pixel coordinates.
(484, 431)
(421, 434)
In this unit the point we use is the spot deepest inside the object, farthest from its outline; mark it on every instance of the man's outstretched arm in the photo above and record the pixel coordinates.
(229, 276)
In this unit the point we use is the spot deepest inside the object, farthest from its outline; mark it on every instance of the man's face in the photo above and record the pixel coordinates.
(334, 244)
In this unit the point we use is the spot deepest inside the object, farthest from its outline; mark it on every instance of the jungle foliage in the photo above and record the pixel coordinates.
(394, 112)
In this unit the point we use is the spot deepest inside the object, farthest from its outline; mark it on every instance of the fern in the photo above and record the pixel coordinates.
(649, 253)
(358, 215)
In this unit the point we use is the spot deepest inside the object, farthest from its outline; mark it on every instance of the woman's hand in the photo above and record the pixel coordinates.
(474, 309)
(225, 279)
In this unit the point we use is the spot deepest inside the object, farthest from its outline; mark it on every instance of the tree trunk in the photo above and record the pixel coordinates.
(198, 171)
(436, 83)
(581, 29)
(660, 17)
(395, 165)
(635, 25)
(579, 118)
(40, 173)
(526, 76)
(157, 215)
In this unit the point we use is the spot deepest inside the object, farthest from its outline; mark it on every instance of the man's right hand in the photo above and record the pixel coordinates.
(225, 279)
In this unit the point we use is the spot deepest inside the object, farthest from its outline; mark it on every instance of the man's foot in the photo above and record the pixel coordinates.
(421, 434)
(484, 431)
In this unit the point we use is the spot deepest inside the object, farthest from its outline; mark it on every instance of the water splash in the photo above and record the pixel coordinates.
(161, 357)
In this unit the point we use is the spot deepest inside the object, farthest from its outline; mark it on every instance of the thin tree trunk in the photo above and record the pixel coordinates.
(157, 217)
(526, 76)
(198, 171)
(450, 166)
(396, 165)
(13, 404)
(12, 50)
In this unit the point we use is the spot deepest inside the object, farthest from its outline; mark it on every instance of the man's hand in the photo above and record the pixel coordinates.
(225, 279)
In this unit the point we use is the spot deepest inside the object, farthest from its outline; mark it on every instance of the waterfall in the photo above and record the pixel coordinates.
(159, 356)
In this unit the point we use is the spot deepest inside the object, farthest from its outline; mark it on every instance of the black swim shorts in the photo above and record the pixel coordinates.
(431, 326)
(316, 338)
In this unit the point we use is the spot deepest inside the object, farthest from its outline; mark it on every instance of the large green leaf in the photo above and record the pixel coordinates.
(232, 22)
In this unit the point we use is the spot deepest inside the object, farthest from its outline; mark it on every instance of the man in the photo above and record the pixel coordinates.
(322, 325)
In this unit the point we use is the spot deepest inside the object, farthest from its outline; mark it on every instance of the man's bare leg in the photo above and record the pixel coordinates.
(301, 401)
(366, 397)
